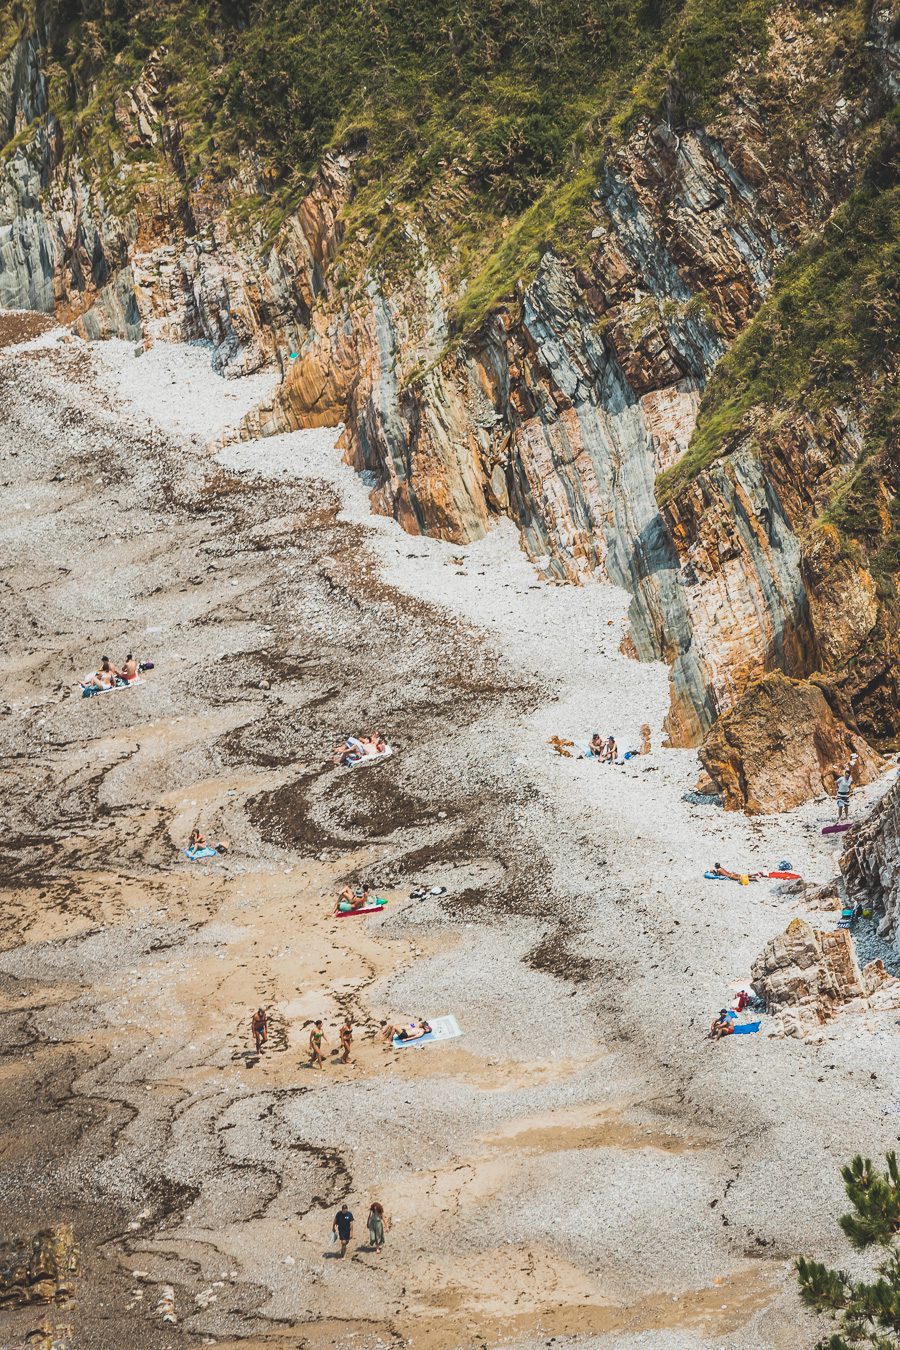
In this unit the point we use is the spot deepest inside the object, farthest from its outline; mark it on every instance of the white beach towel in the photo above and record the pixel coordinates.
(372, 759)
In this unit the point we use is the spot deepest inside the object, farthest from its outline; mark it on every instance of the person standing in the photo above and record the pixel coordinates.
(259, 1025)
(343, 1226)
(346, 1039)
(316, 1037)
(376, 1223)
(844, 787)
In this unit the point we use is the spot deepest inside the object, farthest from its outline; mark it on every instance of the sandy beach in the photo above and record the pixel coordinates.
(581, 1167)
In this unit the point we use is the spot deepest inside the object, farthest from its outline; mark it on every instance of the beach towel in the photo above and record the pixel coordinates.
(90, 690)
(785, 876)
(371, 908)
(371, 759)
(442, 1029)
(194, 853)
(838, 828)
(715, 876)
(747, 1029)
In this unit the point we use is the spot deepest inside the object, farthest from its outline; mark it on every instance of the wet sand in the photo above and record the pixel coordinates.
(581, 1164)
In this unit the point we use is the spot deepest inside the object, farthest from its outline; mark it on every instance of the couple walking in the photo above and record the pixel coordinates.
(377, 1223)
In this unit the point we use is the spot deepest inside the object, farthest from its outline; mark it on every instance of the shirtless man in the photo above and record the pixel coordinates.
(346, 1038)
(355, 899)
(259, 1025)
(316, 1037)
(129, 671)
(597, 745)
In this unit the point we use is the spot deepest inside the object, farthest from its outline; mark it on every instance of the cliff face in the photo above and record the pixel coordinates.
(871, 863)
(560, 401)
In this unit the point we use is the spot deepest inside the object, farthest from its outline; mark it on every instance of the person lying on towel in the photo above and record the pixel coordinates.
(722, 1026)
(349, 751)
(412, 1032)
(720, 871)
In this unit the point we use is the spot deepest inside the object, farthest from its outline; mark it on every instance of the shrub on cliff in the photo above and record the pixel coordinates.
(868, 1312)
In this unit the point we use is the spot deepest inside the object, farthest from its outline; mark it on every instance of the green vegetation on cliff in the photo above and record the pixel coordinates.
(827, 336)
(483, 122)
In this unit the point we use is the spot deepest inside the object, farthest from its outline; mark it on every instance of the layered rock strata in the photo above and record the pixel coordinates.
(808, 977)
(781, 745)
(871, 863)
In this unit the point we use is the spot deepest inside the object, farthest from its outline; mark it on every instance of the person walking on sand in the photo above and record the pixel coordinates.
(316, 1037)
(346, 1038)
(844, 787)
(376, 1223)
(259, 1025)
(342, 1228)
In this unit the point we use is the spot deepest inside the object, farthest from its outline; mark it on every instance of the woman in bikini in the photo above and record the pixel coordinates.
(316, 1037)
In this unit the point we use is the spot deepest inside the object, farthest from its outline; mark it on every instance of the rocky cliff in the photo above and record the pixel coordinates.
(808, 977)
(871, 863)
(655, 365)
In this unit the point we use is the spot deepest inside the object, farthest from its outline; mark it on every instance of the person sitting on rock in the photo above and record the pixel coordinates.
(722, 1026)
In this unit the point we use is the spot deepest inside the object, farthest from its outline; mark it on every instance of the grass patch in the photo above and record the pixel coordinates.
(828, 330)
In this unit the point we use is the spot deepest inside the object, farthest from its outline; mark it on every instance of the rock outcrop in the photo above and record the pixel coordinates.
(38, 1269)
(780, 745)
(808, 977)
(871, 863)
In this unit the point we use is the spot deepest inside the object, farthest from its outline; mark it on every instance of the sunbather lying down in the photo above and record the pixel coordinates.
(719, 871)
(355, 748)
(411, 1032)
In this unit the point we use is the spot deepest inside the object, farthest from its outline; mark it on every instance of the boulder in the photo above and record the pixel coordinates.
(780, 745)
(808, 976)
(38, 1269)
(871, 863)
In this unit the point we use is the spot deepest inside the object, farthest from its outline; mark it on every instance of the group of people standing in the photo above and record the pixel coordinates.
(259, 1029)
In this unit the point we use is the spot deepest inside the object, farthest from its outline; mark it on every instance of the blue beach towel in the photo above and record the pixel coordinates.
(715, 876)
(193, 854)
(747, 1029)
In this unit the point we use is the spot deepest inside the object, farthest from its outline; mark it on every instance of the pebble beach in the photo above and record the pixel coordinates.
(582, 1167)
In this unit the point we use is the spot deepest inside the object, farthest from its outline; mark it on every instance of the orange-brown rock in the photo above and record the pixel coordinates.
(780, 745)
(809, 976)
